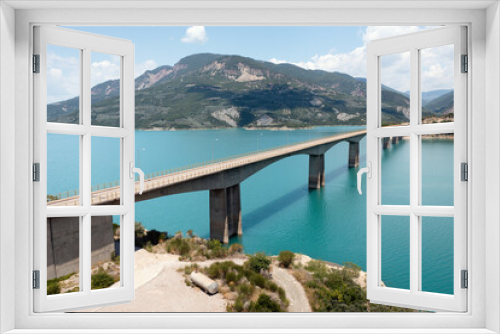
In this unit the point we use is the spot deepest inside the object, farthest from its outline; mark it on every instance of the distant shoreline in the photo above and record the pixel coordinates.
(251, 128)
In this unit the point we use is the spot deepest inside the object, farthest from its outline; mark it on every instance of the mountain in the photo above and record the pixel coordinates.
(213, 90)
(433, 94)
(441, 105)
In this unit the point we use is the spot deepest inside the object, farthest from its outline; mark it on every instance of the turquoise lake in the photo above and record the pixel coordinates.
(279, 211)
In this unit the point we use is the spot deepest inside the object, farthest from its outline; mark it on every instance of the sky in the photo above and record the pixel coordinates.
(337, 48)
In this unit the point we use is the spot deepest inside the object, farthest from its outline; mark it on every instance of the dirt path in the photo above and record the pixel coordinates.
(294, 291)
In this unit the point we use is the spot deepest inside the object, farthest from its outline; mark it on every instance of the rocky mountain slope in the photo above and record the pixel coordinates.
(212, 90)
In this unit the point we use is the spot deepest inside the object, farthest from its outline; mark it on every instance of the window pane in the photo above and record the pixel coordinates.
(105, 80)
(63, 169)
(395, 170)
(395, 79)
(437, 254)
(437, 169)
(105, 170)
(437, 75)
(63, 84)
(105, 271)
(63, 255)
(395, 252)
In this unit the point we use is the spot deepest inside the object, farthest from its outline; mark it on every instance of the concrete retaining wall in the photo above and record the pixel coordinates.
(63, 244)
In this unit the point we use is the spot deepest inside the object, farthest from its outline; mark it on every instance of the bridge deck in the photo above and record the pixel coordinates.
(112, 194)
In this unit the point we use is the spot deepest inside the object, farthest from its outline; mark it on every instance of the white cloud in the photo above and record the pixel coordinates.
(437, 63)
(104, 70)
(63, 77)
(195, 35)
(149, 64)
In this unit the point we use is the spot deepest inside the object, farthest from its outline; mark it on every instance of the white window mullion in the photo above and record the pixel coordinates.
(414, 172)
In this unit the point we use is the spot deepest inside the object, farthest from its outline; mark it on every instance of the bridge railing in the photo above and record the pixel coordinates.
(149, 176)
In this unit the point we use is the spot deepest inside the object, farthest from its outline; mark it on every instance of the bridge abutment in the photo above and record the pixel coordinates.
(225, 213)
(353, 154)
(316, 171)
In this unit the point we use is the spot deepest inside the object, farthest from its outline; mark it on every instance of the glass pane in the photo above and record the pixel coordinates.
(437, 169)
(63, 84)
(395, 79)
(437, 75)
(63, 255)
(437, 254)
(63, 169)
(395, 170)
(105, 80)
(105, 259)
(395, 251)
(105, 170)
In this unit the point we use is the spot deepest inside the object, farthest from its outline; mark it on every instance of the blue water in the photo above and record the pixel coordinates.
(279, 211)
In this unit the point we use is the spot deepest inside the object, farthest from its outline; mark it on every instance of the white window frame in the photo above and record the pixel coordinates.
(85, 43)
(415, 297)
(484, 237)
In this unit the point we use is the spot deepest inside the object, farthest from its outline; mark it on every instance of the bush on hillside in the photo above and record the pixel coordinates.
(286, 258)
(258, 262)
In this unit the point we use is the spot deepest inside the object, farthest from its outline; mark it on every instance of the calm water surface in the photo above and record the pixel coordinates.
(279, 211)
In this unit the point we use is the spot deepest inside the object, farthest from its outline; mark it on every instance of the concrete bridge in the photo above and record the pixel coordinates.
(223, 179)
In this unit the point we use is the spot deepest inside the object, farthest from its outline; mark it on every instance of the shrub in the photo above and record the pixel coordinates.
(184, 249)
(235, 248)
(265, 304)
(53, 288)
(271, 286)
(238, 305)
(214, 270)
(351, 270)
(258, 262)
(101, 280)
(214, 244)
(245, 289)
(231, 277)
(153, 237)
(190, 233)
(286, 258)
(282, 295)
(258, 279)
(139, 230)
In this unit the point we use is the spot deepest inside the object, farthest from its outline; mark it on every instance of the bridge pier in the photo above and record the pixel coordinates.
(353, 154)
(386, 143)
(316, 171)
(395, 140)
(225, 213)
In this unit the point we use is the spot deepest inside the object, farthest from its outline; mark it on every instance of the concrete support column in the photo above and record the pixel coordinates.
(353, 154)
(234, 210)
(225, 213)
(316, 171)
(218, 215)
(386, 143)
(395, 140)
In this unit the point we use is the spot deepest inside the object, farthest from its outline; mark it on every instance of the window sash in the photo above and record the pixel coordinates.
(414, 298)
(86, 43)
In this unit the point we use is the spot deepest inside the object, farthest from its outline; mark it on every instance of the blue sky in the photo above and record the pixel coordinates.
(341, 49)
(165, 46)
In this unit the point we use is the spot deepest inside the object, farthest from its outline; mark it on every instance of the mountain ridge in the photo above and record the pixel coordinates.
(214, 90)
